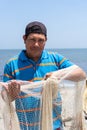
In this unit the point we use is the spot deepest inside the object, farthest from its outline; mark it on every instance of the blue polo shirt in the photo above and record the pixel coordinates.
(22, 68)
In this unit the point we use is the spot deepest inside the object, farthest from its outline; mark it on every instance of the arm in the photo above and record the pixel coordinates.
(76, 75)
(73, 73)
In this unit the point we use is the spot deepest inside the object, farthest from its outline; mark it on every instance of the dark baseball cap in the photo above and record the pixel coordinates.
(36, 27)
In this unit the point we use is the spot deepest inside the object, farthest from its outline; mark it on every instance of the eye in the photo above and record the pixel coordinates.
(32, 40)
(41, 40)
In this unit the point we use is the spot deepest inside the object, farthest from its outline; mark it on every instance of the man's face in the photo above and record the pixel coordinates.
(34, 44)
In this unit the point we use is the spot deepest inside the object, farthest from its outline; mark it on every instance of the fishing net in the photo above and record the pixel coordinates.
(22, 114)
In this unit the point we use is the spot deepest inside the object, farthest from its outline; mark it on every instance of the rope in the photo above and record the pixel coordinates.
(50, 91)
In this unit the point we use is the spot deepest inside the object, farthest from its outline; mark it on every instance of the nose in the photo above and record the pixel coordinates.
(36, 43)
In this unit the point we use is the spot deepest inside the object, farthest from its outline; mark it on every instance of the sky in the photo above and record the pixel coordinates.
(66, 22)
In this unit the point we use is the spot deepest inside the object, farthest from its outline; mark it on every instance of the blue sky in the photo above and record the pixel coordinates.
(66, 22)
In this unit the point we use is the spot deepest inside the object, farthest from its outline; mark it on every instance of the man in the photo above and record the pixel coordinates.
(35, 64)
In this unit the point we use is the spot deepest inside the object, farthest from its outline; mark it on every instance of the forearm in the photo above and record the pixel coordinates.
(76, 75)
(73, 73)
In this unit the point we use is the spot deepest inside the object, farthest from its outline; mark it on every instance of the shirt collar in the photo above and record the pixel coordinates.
(23, 56)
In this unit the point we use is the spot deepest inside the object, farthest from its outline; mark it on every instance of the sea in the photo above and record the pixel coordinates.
(78, 56)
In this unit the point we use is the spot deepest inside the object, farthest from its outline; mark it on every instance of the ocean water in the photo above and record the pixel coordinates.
(78, 56)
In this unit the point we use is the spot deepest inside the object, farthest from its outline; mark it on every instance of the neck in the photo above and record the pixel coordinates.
(36, 58)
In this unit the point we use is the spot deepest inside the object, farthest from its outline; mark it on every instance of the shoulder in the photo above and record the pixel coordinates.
(15, 57)
(50, 53)
(62, 61)
(53, 54)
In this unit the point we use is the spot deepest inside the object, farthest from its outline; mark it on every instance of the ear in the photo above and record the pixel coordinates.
(24, 38)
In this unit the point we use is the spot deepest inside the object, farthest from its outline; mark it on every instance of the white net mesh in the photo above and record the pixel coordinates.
(72, 105)
(26, 116)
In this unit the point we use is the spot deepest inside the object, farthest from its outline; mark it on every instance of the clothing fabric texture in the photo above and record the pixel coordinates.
(22, 68)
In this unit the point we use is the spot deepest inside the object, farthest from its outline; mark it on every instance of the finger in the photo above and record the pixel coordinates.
(48, 75)
(4, 85)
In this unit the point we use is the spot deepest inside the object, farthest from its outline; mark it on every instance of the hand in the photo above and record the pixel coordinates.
(48, 75)
(13, 89)
(59, 74)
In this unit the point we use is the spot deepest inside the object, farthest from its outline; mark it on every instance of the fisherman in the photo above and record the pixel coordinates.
(33, 64)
